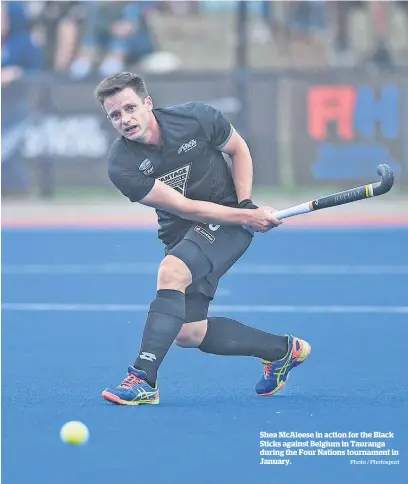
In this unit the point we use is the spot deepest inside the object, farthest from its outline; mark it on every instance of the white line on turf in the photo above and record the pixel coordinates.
(247, 269)
(221, 308)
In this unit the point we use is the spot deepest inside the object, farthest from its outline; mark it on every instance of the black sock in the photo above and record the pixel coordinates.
(164, 321)
(229, 337)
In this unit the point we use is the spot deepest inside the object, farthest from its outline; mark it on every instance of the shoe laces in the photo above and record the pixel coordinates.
(267, 370)
(130, 381)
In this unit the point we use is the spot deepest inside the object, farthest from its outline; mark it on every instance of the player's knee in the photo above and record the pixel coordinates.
(173, 274)
(191, 335)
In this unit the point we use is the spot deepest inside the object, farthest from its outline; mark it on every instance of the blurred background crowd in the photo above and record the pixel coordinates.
(77, 38)
(74, 43)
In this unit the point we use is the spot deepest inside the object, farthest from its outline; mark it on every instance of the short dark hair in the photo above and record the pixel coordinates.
(118, 82)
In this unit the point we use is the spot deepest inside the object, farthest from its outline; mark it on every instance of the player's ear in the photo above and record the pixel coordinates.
(149, 103)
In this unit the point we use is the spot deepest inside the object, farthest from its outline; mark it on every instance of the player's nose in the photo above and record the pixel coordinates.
(126, 119)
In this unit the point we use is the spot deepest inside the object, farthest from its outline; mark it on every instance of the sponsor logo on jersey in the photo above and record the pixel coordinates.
(187, 146)
(146, 167)
(200, 230)
(177, 178)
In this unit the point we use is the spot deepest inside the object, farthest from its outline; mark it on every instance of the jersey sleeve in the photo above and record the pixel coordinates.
(125, 176)
(216, 127)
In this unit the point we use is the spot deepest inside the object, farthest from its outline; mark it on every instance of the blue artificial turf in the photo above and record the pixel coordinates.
(55, 363)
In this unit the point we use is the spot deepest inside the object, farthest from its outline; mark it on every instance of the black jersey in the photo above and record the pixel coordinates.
(189, 160)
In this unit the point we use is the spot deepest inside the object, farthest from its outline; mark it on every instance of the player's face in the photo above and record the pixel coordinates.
(129, 114)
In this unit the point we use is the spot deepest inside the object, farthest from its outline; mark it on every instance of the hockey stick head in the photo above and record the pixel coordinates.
(386, 182)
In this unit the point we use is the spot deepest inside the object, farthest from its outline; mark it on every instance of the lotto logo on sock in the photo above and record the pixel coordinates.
(147, 356)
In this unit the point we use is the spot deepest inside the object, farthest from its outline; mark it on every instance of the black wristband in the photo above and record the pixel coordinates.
(247, 204)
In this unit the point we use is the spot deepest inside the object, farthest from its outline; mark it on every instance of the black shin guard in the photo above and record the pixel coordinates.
(164, 321)
(229, 337)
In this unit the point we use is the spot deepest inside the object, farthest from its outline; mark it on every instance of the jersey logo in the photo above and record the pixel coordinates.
(187, 146)
(177, 178)
(146, 167)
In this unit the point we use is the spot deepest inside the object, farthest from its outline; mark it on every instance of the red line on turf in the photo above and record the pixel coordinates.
(149, 222)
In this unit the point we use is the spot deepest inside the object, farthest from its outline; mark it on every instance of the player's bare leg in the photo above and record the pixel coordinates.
(192, 335)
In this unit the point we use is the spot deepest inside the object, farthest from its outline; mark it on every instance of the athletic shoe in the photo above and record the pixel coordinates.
(134, 390)
(276, 372)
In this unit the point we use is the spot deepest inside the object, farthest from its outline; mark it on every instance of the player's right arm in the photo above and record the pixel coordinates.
(163, 197)
(138, 187)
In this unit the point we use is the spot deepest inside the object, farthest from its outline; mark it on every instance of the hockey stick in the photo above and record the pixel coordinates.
(346, 196)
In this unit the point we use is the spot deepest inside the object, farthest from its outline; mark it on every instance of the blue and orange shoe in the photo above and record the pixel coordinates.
(134, 390)
(276, 372)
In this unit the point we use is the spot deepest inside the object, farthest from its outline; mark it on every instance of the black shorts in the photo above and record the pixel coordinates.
(209, 251)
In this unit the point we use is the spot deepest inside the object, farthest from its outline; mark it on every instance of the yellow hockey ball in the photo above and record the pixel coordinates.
(74, 433)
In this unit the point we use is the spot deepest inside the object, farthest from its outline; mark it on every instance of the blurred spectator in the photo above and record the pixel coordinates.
(262, 31)
(380, 58)
(273, 23)
(340, 15)
(118, 29)
(307, 18)
(19, 56)
(18, 52)
(287, 22)
(57, 25)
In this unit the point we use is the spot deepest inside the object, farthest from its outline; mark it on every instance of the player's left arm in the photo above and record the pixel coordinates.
(242, 166)
(223, 136)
